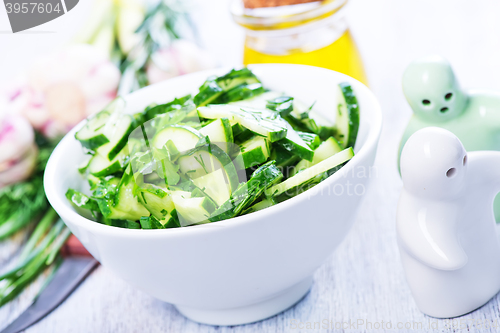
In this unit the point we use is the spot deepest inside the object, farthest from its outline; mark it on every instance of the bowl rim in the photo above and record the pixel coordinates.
(65, 211)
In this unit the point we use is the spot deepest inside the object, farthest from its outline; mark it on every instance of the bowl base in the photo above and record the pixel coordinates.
(250, 313)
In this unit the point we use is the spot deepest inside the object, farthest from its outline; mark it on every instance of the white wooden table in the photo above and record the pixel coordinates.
(361, 287)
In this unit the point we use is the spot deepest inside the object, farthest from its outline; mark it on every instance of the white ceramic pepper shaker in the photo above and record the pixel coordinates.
(445, 223)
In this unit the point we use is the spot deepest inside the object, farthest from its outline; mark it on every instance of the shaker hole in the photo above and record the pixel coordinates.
(465, 160)
(426, 102)
(451, 173)
(448, 96)
(443, 110)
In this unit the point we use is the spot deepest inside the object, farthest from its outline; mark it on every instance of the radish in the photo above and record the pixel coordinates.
(16, 138)
(63, 88)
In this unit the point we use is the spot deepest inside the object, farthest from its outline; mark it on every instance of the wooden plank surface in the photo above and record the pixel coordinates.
(361, 287)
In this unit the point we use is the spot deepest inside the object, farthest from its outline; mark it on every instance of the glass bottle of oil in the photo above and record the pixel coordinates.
(313, 34)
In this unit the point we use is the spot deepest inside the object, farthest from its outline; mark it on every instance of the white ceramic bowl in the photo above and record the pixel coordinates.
(243, 269)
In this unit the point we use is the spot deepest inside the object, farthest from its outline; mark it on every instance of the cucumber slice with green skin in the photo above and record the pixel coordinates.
(100, 166)
(80, 200)
(125, 205)
(218, 131)
(294, 144)
(307, 174)
(199, 193)
(157, 201)
(104, 187)
(171, 220)
(236, 129)
(262, 178)
(193, 210)
(304, 118)
(273, 129)
(183, 137)
(176, 104)
(150, 222)
(262, 122)
(243, 91)
(312, 140)
(117, 131)
(92, 135)
(283, 157)
(255, 151)
(214, 185)
(259, 101)
(82, 169)
(206, 159)
(126, 224)
(216, 86)
(327, 149)
(93, 180)
(209, 91)
(236, 77)
(282, 104)
(347, 122)
(266, 203)
(244, 136)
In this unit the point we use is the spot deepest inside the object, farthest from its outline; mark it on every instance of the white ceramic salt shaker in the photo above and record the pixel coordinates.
(445, 223)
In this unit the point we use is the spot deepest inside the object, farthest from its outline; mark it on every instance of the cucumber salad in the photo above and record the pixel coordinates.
(232, 149)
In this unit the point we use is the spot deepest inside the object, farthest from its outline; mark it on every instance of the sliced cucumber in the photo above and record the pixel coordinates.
(82, 169)
(117, 131)
(215, 185)
(193, 210)
(255, 151)
(183, 137)
(92, 135)
(283, 157)
(206, 159)
(181, 103)
(199, 193)
(125, 206)
(100, 166)
(209, 91)
(272, 127)
(122, 223)
(236, 77)
(237, 129)
(312, 140)
(305, 118)
(266, 203)
(307, 174)
(347, 122)
(265, 176)
(171, 220)
(157, 201)
(281, 104)
(294, 144)
(327, 149)
(80, 200)
(218, 131)
(150, 222)
(180, 194)
(241, 92)
(259, 101)
(93, 180)
(262, 122)
(214, 87)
